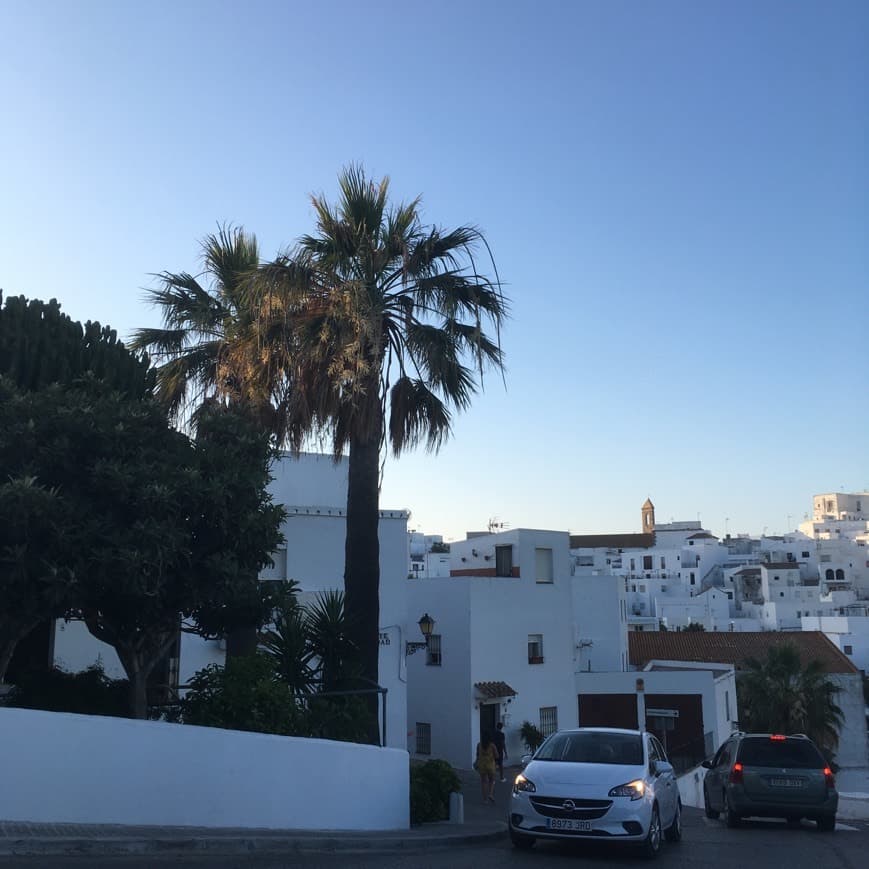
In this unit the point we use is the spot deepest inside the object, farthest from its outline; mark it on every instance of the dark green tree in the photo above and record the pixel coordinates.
(40, 345)
(780, 695)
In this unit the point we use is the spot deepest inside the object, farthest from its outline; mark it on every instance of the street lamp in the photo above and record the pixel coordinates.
(426, 626)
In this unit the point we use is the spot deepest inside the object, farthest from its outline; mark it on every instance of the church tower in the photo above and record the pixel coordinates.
(648, 517)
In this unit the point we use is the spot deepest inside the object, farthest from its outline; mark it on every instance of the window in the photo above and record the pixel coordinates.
(840, 574)
(423, 738)
(503, 561)
(647, 562)
(643, 589)
(535, 648)
(543, 562)
(693, 579)
(805, 555)
(849, 650)
(663, 563)
(548, 720)
(433, 651)
(829, 575)
(633, 564)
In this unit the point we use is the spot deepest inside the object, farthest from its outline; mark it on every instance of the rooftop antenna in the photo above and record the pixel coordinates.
(494, 525)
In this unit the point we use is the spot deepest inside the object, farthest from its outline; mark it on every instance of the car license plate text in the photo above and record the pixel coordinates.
(568, 824)
(786, 783)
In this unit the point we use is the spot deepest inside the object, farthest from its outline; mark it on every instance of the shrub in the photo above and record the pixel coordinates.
(531, 736)
(244, 695)
(89, 692)
(431, 784)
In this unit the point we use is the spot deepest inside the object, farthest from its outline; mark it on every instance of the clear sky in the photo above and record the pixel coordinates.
(676, 194)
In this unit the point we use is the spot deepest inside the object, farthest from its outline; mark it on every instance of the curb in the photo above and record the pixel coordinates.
(229, 845)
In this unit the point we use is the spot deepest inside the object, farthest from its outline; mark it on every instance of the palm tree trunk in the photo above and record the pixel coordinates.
(362, 565)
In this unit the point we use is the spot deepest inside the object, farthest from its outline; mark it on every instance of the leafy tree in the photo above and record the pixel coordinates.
(779, 695)
(41, 346)
(163, 528)
(34, 583)
(382, 322)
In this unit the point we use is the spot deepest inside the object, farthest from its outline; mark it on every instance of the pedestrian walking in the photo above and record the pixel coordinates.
(501, 747)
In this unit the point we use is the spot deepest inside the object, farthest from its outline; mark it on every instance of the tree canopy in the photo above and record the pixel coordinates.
(779, 695)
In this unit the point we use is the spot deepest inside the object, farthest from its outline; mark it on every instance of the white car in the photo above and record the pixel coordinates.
(597, 783)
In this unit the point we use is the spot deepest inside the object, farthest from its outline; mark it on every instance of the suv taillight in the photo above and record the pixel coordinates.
(829, 778)
(736, 774)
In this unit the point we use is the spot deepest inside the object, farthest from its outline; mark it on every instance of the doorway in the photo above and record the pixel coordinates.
(489, 717)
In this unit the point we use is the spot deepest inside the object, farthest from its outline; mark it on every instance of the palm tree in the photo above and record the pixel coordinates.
(382, 320)
(209, 350)
(779, 695)
(209, 346)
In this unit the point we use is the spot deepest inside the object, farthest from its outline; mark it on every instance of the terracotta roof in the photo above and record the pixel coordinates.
(780, 565)
(724, 647)
(748, 571)
(612, 541)
(494, 689)
(702, 534)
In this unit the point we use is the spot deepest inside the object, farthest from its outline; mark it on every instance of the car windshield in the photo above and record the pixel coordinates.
(794, 753)
(620, 748)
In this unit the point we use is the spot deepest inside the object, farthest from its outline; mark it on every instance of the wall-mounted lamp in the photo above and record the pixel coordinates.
(474, 553)
(426, 625)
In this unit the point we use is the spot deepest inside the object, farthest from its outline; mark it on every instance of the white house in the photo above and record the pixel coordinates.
(523, 634)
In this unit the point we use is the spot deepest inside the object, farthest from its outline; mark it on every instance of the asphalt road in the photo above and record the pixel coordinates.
(705, 845)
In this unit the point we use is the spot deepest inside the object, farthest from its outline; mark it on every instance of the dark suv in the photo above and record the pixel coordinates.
(770, 775)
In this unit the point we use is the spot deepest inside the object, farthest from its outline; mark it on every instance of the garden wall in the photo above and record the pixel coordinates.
(64, 768)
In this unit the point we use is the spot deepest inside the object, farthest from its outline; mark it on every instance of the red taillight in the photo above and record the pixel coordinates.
(829, 778)
(778, 737)
(736, 774)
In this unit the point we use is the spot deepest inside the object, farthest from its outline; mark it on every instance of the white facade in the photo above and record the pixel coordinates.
(488, 626)
(90, 769)
(849, 633)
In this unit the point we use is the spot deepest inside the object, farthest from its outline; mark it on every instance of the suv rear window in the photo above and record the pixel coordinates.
(794, 753)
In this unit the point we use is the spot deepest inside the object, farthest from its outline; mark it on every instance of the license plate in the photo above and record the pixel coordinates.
(786, 783)
(568, 824)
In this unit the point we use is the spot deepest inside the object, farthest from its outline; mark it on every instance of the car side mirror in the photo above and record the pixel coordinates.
(707, 764)
(662, 767)
(525, 759)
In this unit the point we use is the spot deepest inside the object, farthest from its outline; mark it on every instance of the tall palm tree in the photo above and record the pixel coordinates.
(208, 347)
(779, 695)
(382, 319)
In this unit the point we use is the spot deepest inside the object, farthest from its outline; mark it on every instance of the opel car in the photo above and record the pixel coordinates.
(597, 783)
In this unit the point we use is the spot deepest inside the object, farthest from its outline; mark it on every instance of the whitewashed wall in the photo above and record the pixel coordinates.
(60, 768)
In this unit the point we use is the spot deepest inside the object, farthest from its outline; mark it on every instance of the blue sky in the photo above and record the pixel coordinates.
(676, 194)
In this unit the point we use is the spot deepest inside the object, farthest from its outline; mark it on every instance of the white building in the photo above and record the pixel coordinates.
(522, 634)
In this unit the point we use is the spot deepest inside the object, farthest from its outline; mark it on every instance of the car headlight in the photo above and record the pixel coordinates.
(634, 790)
(523, 784)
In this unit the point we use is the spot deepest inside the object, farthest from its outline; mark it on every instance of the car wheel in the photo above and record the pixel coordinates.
(730, 817)
(652, 845)
(827, 823)
(520, 841)
(673, 833)
(710, 812)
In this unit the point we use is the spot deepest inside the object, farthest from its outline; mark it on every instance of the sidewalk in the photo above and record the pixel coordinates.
(483, 823)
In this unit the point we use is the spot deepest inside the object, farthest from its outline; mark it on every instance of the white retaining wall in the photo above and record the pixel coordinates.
(66, 768)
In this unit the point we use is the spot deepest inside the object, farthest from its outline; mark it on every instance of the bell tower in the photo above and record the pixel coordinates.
(648, 517)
